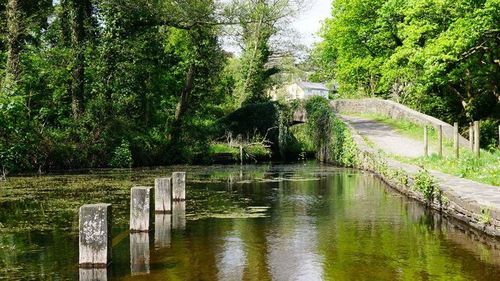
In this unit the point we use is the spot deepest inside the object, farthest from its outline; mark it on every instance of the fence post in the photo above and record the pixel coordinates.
(95, 236)
(498, 136)
(477, 134)
(440, 141)
(471, 136)
(426, 142)
(456, 140)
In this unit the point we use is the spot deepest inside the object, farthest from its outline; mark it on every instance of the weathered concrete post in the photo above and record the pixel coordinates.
(179, 186)
(471, 136)
(440, 141)
(95, 235)
(141, 209)
(163, 195)
(456, 139)
(426, 141)
(139, 253)
(477, 147)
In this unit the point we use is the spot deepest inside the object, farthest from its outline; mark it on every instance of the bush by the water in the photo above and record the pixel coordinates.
(266, 121)
(329, 136)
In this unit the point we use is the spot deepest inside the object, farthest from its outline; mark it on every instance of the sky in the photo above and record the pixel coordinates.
(308, 23)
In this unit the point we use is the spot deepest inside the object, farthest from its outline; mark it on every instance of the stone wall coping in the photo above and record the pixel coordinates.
(394, 110)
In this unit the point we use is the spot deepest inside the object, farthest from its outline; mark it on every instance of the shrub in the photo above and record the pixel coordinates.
(329, 136)
(426, 184)
(122, 157)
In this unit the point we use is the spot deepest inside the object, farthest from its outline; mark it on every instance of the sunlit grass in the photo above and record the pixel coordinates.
(485, 169)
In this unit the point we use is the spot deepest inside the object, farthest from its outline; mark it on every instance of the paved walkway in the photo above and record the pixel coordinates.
(469, 195)
(386, 138)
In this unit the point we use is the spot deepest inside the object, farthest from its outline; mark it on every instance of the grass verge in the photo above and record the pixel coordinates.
(485, 169)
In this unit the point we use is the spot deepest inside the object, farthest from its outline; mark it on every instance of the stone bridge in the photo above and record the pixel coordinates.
(388, 108)
(393, 110)
(299, 116)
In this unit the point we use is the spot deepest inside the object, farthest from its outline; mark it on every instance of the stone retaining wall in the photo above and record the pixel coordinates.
(400, 176)
(393, 110)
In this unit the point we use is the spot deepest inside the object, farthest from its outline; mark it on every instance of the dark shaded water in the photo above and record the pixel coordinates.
(285, 222)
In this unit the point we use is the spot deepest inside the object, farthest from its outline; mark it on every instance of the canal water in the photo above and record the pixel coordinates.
(271, 222)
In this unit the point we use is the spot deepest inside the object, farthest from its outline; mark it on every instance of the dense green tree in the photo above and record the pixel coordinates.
(99, 83)
(262, 21)
(440, 57)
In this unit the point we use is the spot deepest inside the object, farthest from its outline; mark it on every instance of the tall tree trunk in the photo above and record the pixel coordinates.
(182, 106)
(78, 46)
(188, 87)
(13, 68)
(65, 25)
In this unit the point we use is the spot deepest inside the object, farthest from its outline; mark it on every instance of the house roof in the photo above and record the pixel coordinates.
(313, 86)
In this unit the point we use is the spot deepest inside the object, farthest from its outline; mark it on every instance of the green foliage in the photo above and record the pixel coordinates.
(485, 169)
(136, 57)
(251, 120)
(258, 152)
(330, 137)
(256, 52)
(320, 121)
(343, 147)
(425, 183)
(485, 216)
(304, 144)
(268, 122)
(489, 134)
(122, 157)
(440, 57)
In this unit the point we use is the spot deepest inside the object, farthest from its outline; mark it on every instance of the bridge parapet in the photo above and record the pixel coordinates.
(393, 110)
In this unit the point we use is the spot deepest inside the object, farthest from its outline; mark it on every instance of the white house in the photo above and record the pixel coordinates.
(300, 91)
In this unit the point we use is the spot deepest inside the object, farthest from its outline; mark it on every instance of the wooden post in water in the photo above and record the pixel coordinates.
(426, 141)
(477, 135)
(471, 136)
(456, 140)
(440, 141)
(163, 195)
(95, 236)
(179, 186)
(141, 209)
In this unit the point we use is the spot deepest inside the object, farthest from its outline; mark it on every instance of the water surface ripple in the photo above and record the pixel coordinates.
(271, 222)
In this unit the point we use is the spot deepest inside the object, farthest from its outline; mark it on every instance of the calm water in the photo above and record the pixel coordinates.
(285, 222)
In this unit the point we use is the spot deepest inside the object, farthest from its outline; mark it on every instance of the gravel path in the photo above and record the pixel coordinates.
(386, 138)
